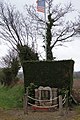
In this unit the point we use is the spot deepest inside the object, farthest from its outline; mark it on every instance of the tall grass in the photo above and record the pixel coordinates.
(11, 97)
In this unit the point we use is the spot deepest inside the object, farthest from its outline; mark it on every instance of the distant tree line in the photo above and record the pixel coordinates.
(76, 75)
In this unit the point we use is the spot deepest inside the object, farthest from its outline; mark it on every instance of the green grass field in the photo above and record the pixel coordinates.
(11, 97)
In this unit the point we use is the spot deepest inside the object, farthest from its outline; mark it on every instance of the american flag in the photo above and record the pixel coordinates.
(41, 6)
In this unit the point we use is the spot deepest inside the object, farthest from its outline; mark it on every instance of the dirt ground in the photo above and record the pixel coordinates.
(19, 115)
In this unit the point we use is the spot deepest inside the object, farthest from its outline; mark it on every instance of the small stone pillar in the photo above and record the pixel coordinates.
(39, 91)
(43, 94)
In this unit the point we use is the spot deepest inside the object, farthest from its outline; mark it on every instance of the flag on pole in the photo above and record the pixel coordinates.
(41, 6)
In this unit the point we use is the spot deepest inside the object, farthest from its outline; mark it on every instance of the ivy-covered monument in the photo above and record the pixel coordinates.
(55, 74)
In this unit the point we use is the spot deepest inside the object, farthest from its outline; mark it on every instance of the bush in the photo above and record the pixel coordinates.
(31, 91)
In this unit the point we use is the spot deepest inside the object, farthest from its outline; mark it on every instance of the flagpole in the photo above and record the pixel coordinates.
(41, 7)
(45, 31)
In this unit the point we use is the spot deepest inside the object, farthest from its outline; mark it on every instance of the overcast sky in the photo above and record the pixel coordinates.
(72, 51)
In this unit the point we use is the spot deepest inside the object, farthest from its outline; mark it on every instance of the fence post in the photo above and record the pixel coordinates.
(26, 102)
(67, 103)
(54, 94)
(36, 96)
(60, 105)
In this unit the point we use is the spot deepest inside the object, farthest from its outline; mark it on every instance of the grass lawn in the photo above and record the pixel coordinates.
(11, 97)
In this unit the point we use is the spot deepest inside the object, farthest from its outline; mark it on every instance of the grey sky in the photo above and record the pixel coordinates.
(72, 51)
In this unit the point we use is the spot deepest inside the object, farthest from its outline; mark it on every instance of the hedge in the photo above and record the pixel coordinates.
(58, 74)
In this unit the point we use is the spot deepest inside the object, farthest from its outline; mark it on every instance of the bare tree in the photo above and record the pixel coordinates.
(9, 58)
(20, 31)
(15, 29)
(58, 29)
(11, 65)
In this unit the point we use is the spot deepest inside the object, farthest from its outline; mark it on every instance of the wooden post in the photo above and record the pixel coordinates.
(67, 103)
(60, 105)
(54, 94)
(36, 96)
(26, 102)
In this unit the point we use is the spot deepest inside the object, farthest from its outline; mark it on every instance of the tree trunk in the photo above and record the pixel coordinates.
(49, 55)
(49, 38)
